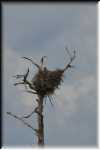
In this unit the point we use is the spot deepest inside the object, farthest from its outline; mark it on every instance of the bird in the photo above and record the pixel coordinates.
(42, 60)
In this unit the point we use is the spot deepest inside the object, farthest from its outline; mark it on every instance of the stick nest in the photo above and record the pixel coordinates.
(45, 81)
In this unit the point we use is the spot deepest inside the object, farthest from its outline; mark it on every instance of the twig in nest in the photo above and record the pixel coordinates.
(45, 100)
(52, 97)
(23, 121)
(50, 100)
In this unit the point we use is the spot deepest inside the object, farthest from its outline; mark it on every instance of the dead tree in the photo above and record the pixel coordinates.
(43, 84)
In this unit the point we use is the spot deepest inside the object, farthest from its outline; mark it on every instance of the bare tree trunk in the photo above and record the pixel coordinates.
(40, 122)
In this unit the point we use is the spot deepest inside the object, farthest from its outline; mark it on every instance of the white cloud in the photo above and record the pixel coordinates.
(71, 98)
(12, 65)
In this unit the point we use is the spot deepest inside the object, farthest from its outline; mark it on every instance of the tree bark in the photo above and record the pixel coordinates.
(40, 130)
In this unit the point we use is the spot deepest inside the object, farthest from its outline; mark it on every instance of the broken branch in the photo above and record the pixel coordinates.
(21, 119)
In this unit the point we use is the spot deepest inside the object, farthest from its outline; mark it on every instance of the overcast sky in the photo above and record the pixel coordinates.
(41, 29)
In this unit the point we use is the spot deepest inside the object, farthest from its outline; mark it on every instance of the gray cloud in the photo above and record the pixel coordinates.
(36, 30)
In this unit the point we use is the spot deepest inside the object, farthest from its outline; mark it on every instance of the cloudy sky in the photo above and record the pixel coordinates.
(34, 30)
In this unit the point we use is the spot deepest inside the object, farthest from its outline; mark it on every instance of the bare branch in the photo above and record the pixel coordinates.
(29, 84)
(24, 81)
(71, 60)
(22, 76)
(18, 83)
(68, 52)
(32, 92)
(36, 111)
(23, 121)
(18, 76)
(30, 114)
(37, 100)
(26, 75)
(32, 62)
